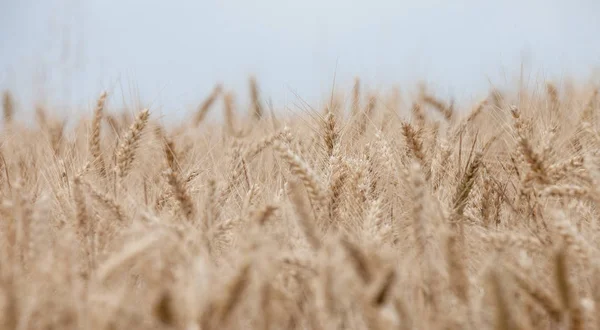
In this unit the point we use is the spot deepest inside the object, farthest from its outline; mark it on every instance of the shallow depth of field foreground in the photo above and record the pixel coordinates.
(374, 211)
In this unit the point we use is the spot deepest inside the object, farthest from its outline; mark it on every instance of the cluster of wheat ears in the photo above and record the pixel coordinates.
(375, 211)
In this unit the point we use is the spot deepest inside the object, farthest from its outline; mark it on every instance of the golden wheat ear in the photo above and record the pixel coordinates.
(94, 142)
(126, 152)
(257, 107)
(181, 194)
(205, 106)
(8, 107)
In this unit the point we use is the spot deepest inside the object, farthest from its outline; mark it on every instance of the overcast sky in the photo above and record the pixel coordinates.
(170, 53)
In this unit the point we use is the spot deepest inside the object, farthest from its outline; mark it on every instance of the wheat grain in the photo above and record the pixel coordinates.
(95, 147)
(126, 152)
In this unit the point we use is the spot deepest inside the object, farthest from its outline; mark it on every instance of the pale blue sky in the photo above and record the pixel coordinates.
(170, 53)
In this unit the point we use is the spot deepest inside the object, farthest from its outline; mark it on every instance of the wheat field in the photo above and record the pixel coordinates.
(377, 210)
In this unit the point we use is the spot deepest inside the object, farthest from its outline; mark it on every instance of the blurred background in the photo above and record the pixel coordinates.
(169, 54)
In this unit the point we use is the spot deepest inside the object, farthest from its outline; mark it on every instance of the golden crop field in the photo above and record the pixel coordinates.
(376, 210)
